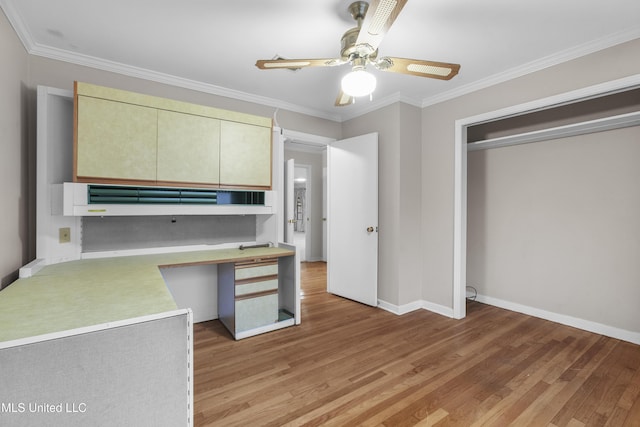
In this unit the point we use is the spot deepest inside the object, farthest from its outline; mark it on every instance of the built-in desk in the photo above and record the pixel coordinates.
(87, 292)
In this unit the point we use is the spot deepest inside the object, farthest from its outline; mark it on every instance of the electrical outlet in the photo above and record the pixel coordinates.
(64, 235)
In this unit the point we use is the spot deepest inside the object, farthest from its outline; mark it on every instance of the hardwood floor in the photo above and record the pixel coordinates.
(348, 364)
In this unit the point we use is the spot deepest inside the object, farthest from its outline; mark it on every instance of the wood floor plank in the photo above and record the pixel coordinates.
(432, 419)
(615, 383)
(349, 364)
(584, 367)
(632, 391)
(633, 417)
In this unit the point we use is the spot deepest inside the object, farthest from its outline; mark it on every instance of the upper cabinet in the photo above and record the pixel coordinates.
(118, 140)
(245, 155)
(125, 137)
(188, 148)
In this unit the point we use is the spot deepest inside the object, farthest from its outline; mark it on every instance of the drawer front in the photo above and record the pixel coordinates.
(253, 287)
(255, 312)
(256, 269)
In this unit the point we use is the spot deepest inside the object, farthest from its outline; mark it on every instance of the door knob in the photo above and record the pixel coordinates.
(369, 229)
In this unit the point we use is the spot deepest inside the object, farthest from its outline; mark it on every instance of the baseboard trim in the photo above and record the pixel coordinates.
(415, 305)
(587, 325)
(574, 322)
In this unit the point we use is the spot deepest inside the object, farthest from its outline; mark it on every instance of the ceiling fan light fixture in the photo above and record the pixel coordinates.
(358, 82)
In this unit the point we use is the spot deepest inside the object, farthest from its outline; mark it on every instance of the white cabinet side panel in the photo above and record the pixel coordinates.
(54, 166)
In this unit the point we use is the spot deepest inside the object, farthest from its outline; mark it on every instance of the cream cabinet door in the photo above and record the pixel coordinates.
(245, 155)
(188, 148)
(115, 140)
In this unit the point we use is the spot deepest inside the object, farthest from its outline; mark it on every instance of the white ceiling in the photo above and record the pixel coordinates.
(212, 46)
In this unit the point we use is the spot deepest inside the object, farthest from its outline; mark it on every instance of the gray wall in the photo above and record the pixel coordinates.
(438, 151)
(17, 240)
(410, 205)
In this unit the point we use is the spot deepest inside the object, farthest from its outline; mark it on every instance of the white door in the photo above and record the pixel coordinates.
(289, 203)
(352, 221)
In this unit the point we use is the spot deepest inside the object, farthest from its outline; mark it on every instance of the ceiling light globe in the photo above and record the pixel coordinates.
(358, 83)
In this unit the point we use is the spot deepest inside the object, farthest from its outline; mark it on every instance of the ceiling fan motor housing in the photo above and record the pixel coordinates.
(349, 50)
(348, 42)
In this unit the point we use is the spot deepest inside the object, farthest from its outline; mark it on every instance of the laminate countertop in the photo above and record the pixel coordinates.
(88, 292)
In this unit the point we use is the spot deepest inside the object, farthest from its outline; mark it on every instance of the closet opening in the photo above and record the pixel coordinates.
(608, 106)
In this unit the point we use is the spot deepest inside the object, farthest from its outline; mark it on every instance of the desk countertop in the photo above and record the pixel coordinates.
(88, 292)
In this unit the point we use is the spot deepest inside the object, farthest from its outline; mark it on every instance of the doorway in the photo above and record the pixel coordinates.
(309, 155)
(351, 167)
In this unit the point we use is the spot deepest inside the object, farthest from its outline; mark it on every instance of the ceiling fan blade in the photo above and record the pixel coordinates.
(294, 64)
(343, 99)
(418, 67)
(376, 23)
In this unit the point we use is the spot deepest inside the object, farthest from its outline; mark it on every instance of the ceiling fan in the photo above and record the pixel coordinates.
(359, 47)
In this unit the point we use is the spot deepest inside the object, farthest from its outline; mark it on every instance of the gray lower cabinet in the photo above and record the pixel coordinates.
(248, 301)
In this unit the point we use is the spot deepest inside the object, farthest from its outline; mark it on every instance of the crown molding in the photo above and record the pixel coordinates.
(537, 65)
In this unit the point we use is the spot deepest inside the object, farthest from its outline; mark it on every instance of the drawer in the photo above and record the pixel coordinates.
(255, 312)
(253, 287)
(267, 267)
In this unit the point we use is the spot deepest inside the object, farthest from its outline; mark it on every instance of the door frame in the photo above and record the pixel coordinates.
(313, 144)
